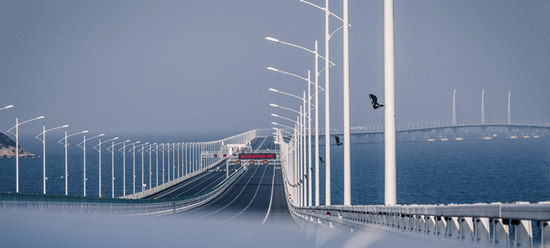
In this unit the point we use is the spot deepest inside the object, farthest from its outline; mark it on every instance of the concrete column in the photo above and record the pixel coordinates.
(430, 225)
(452, 227)
(466, 229)
(523, 233)
(440, 227)
(501, 232)
(544, 233)
(481, 227)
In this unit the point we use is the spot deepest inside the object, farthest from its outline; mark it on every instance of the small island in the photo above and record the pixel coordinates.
(7, 148)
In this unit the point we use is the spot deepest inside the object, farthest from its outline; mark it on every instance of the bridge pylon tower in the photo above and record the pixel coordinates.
(454, 107)
(483, 106)
(509, 107)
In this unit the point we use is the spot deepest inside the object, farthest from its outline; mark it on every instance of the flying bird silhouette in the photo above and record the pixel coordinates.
(374, 101)
(321, 159)
(338, 141)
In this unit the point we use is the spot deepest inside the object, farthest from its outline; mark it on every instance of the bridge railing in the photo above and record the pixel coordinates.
(520, 224)
(502, 225)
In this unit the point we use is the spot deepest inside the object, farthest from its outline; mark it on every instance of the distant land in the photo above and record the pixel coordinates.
(7, 148)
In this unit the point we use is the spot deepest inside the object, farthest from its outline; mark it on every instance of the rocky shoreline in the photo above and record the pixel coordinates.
(7, 148)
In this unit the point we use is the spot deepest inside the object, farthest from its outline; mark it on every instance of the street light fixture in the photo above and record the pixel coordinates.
(17, 124)
(297, 46)
(328, 36)
(309, 83)
(285, 118)
(65, 144)
(163, 170)
(133, 151)
(287, 94)
(123, 150)
(43, 134)
(98, 148)
(112, 150)
(150, 162)
(281, 125)
(142, 163)
(83, 146)
(7, 107)
(285, 108)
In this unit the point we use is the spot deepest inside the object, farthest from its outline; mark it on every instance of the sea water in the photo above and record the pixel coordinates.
(440, 172)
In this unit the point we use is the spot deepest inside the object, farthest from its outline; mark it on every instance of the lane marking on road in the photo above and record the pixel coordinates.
(213, 175)
(183, 184)
(270, 199)
(234, 199)
(253, 197)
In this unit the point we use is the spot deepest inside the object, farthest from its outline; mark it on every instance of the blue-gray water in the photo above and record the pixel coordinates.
(466, 171)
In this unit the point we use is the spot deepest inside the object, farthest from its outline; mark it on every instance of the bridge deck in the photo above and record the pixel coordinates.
(258, 194)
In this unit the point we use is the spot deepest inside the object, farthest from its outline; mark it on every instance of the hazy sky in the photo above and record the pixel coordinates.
(199, 66)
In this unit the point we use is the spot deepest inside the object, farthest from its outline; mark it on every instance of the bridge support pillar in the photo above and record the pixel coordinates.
(440, 227)
(481, 228)
(430, 225)
(523, 233)
(544, 227)
(522, 132)
(510, 132)
(452, 227)
(466, 228)
(420, 223)
(426, 135)
(407, 222)
(412, 136)
(537, 132)
(439, 134)
(501, 233)
(483, 132)
(400, 137)
(455, 132)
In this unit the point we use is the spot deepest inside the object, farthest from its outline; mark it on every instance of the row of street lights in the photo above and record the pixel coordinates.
(191, 154)
(297, 145)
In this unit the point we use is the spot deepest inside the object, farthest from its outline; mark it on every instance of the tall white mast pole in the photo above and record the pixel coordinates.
(347, 140)
(390, 188)
(327, 106)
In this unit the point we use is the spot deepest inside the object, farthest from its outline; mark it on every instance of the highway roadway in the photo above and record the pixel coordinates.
(196, 185)
(256, 196)
(209, 179)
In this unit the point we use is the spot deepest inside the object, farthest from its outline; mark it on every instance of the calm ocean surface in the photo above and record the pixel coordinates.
(466, 171)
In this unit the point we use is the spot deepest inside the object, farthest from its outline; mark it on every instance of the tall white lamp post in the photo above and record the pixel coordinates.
(43, 139)
(123, 150)
(112, 150)
(142, 164)
(390, 188)
(83, 146)
(66, 144)
(133, 151)
(98, 148)
(17, 124)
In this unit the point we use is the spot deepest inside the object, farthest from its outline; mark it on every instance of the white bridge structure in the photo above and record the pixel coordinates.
(518, 224)
(185, 175)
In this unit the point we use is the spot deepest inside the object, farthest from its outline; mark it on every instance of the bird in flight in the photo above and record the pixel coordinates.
(374, 101)
(338, 141)
(321, 159)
